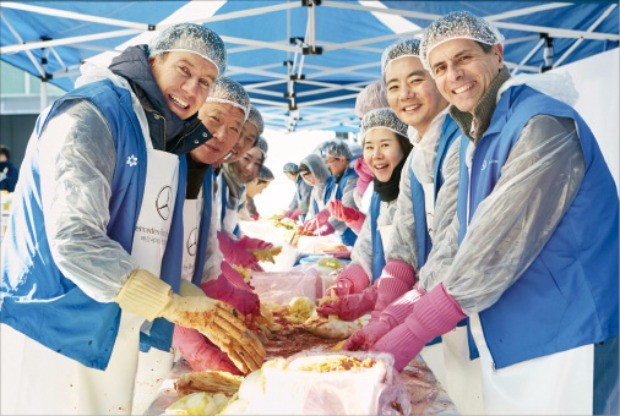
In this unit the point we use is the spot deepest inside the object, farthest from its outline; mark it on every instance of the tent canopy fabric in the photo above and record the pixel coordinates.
(302, 61)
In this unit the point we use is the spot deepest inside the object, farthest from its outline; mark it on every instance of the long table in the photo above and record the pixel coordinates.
(426, 394)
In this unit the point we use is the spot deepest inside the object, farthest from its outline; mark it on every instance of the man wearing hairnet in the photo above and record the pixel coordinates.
(414, 98)
(532, 255)
(340, 186)
(223, 114)
(97, 219)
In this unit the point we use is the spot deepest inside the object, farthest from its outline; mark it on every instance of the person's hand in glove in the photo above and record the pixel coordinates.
(392, 316)
(233, 253)
(248, 243)
(230, 287)
(325, 229)
(434, 314)
(145, 295)
(200, 353)
(310, 226)
(352, 279)
(350, 307)
(352, 217)
(363, 339)
(294, 215)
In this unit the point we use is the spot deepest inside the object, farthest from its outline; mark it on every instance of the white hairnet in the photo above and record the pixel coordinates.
(457, 25)
(383, 118)
(265, 174)
(261, 143)
(290, 167)
(255, 118)
(338, 149)
(190, 37)
(399, 49)
(228, 91)
(315, 165)
(371, 97)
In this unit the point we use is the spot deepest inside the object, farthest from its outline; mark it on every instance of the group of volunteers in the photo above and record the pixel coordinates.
(482, 215)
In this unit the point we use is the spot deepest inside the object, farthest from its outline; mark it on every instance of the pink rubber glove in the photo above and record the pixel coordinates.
(392, 316)
(352, 217)
(255, 216)
(364, 175)
(350, 307)
(233, 253)
(248, 243)
(352, 279)
(295, 214)
(433, 315)
(229, 287)
(363, 339)
(325, 229)
(200, 353)
(310, 226)
(396, 279)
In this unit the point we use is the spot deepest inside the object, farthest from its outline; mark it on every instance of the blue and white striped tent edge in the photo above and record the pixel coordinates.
(302, 61)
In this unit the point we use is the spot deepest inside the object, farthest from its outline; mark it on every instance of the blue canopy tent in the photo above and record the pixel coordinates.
(302, 61)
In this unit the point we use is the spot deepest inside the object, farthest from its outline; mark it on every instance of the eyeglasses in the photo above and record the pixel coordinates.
(331, 161)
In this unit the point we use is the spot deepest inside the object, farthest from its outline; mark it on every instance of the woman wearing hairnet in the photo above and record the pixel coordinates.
(314, 172)
(340, 186)
(298, 208)
(224, 114)
(254, 188)
(237, 248)
(98, 218)
(532, 255)
(386, 148)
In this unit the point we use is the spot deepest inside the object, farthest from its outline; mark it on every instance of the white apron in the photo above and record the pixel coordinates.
(560, 383)
(192, 210)
(463, 379)
(64, 386)
(432, 354)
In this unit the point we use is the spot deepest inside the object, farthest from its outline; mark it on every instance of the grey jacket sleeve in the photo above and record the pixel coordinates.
(537, 185)
(304, 204)
(403, 245)
(78, 157)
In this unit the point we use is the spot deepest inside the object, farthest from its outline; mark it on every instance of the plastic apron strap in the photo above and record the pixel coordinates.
(423, 240)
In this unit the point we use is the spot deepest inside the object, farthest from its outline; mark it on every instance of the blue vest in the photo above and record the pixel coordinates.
(378, 256)
(38, 300)
(449, 132)
(568, 296)
(237, 230)
(348, 237)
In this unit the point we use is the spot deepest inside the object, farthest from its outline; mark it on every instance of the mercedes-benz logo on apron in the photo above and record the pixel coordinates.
(163, 202)
(192, 242)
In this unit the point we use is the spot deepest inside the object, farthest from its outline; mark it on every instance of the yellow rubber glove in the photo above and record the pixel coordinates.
(144, 294)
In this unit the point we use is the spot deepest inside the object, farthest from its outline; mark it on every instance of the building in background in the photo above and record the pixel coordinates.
(20, 105)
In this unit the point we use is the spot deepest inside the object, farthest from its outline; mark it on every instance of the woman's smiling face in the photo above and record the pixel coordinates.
(382, 152)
